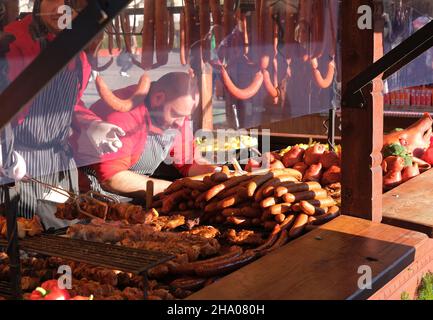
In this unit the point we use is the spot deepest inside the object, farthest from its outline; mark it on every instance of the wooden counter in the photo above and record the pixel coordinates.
(323, 264)
(411, 204)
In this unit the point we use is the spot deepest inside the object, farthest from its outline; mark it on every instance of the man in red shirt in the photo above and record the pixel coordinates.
(42, 129)
(156, 130)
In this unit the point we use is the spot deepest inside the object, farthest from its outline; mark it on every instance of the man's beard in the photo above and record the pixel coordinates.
(157, 118)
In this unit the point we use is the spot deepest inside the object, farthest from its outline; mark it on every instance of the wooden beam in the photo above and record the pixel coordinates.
(13, 10)
(362, 128)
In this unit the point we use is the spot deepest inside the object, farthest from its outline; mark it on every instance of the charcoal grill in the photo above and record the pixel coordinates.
(136, 261)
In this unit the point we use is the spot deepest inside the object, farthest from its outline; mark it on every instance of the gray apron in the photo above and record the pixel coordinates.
(156, 150)
(42, 139)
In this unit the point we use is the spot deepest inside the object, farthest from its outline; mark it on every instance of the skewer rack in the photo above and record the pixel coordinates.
(5, 290)
(109, 256)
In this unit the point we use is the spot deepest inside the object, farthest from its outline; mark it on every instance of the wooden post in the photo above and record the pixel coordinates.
(362, 136)
(206, 88)
(203, 116)
(12, 9)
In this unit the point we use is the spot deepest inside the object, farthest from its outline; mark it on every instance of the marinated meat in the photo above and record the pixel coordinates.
(146, 237)
(244, 237)
(208, 232)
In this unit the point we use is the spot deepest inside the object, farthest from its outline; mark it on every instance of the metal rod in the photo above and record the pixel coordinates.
(53, 188)
(407, 51)
(13, 251)
(331, 129)
(11, 203)
(149, 194)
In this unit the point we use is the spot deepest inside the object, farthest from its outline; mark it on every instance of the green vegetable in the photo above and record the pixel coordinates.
(405, 296)
(425, 291)
(396, 149)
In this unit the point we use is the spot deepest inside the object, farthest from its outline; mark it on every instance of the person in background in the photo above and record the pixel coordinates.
(42, 129)
(155, 130)
(124, 61)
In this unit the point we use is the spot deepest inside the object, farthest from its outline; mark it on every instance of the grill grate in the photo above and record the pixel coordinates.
(113, 257)
(5, 290)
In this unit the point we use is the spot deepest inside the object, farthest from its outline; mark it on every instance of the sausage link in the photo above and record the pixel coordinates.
(251, 212)
(226, 266)
(214, 191)
(297, 187)
(174, 187)
(288, 222)
(182, 206)
(279, 218)
(270, 190)
(296, 207)
(311, 210)
(269, 86)
(306, 195)
(245, 93)
(228, 212)
(123, 105)
(264, 190)
(257, 182)
(240, 221)
(211, 207)
(220, 177)
(299, 225)
(269, 202)
(283, 238)
(172, 200)
(324, 82)
(269, 225)
(234, 190)
(333, 212)
(322, 203)
(209, 183)
(229, 202)
(219, 219)
(188, 283)
(271, 239)
(195, 185)
(189, 268)
(281, 208)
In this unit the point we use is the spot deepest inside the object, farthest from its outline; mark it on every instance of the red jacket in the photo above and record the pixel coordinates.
(137, 125)
(24, 50)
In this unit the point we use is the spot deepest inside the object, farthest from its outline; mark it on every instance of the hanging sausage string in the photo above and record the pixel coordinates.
(258, 41)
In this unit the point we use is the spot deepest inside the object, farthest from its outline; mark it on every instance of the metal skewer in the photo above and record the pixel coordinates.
(55, 189)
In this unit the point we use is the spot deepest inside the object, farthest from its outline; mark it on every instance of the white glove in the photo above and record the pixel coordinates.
(104, 137)
(18, 170)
